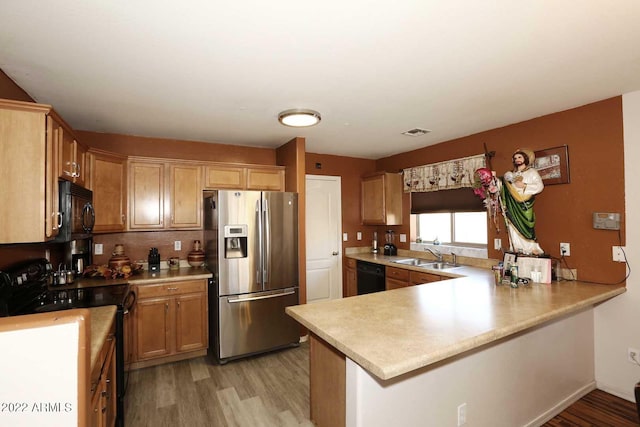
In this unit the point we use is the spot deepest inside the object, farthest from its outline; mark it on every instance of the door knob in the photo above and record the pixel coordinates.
(334, 253)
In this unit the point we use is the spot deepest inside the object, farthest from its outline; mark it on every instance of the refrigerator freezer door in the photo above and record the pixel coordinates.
(255, 323)
(239, 275)
(280, 224)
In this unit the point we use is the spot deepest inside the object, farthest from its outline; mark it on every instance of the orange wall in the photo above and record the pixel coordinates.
(291, 155)
(176, 149)
(10, 90)
(594, 136)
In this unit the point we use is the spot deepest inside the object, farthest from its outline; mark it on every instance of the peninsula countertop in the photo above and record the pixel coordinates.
(394, 332)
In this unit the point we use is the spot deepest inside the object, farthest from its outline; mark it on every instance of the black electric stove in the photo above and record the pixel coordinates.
(25, 288)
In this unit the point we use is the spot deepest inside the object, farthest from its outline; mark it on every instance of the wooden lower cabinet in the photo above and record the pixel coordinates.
(418, 278)
(396, 278)
(170, 321)
(351, 274)
(103, 386)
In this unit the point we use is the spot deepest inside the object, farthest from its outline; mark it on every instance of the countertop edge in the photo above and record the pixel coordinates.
(102, 319)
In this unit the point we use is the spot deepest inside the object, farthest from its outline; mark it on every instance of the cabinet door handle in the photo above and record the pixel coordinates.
(178, 304)
(166, 307)
(172, 289)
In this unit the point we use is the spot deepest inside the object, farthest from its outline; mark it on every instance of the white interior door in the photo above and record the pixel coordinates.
(323, 232)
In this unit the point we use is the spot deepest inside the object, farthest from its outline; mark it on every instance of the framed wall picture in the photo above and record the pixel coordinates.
(553, 165)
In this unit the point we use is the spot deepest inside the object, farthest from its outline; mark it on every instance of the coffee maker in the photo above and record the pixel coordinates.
(78, 255)
(389, 246)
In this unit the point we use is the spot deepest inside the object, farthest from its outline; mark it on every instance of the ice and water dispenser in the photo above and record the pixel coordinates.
(235, 241)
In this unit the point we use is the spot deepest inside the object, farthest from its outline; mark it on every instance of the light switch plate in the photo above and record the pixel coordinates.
(403, 238)
(618, 254)
(359, 235)
(497, 244)
(97, 249)
(177, 245)
(345, 237)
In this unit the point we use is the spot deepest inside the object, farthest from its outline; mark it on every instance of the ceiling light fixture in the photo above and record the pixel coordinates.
(299, 118)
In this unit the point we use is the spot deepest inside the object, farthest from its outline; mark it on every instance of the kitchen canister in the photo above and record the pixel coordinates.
(195, 258)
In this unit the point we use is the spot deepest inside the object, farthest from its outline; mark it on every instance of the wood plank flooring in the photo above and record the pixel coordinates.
(267, 391)
(600, 409)
(273, 391)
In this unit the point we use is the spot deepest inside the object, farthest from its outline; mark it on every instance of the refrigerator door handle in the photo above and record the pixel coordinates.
(266, 262)
(259, 245)
(278, 295)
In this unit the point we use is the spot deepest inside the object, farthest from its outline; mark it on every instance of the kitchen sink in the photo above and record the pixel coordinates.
(412, 261)
(438, 265)
(417, 262)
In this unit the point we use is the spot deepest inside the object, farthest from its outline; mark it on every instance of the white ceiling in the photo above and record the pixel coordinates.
(220, 71)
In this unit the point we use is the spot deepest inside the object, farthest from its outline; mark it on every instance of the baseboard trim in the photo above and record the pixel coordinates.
(616, 392)
(562, 405)
(167, 359)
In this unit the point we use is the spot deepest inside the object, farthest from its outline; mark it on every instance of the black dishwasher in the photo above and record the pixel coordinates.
(370, 277)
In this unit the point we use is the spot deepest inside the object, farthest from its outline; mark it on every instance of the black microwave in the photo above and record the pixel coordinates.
(77, 214)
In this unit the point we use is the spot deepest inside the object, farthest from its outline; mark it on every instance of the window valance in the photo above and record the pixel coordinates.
(446, 175)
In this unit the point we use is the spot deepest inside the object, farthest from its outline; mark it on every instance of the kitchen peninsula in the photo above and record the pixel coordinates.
(412, 356)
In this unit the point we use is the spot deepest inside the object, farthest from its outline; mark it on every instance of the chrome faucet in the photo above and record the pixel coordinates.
(454, 258)
(435, 253)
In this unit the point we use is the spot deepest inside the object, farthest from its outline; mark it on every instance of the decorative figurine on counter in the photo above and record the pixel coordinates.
(519, 188)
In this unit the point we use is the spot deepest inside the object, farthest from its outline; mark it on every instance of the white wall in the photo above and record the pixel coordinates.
(617, 322)
(521, 381)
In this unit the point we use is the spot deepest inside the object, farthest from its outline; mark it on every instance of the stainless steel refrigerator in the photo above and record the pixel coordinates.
(251, 245)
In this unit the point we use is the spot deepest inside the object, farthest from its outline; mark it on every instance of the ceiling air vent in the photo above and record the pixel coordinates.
(416, 132)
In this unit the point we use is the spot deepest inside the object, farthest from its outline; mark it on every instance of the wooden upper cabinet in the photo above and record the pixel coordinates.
(185, 198)
(29, 190)
(108, 181)
(238, 177)
(267, 179)
(146, 195)
(164, 195)
(225, 177)
(72, 158)
(381, 202)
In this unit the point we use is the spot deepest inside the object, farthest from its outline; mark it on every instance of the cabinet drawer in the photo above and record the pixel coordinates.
(419, 278)
(397, 273)
(351, 263)
(171, 288)
(395, 284)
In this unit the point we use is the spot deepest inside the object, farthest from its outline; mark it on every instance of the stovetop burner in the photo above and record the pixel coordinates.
(24, 290)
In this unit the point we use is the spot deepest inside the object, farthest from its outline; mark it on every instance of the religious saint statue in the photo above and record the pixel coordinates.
(519, 188)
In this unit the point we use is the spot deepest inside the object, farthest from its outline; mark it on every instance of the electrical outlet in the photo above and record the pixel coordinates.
(177, 245)
(403, 238)
(359, 235)
(565, 249)
(97, 249)
(497, 244)
(345, 237)
(462, 414)
(618, 254)
(633, 356)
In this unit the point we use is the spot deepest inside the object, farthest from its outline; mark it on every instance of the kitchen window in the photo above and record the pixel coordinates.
(455, 217)
(452, 228)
